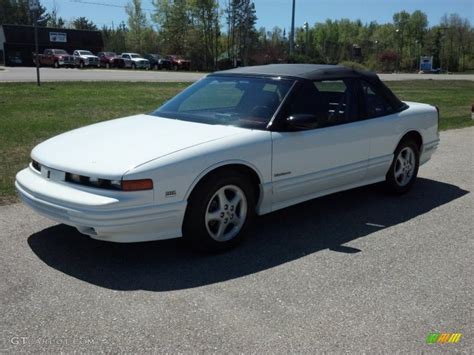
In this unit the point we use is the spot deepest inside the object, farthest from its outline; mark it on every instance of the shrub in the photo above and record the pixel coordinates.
(353, 65)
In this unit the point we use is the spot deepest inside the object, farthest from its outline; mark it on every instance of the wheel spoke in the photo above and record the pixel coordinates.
(399, 170)
(222, 199)
(213, 216)
(236, 199)
(409, 156)
(401, 159)
(236, 221)
(220, 230)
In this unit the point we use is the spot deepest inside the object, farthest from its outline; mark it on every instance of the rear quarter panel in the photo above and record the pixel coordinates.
(388, 131)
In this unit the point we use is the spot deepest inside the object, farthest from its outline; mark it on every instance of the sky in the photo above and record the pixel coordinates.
(273, 13)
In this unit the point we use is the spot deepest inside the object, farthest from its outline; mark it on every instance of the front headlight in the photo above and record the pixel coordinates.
(123, 185)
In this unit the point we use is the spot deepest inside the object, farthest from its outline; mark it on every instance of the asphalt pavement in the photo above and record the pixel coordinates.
(358, 271)
(28, 74)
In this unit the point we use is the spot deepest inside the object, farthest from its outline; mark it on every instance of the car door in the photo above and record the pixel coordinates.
(330, 156)
(385, 127)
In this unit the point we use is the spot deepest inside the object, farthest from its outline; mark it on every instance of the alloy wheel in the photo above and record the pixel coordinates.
(404, 166)
(226, 213)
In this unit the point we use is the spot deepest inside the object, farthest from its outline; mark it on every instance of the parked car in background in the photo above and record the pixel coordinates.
(157, 61)
(110, 60)
(84, 58)
(55, 58)
(179, 63)
(236, 144)
(137, 61)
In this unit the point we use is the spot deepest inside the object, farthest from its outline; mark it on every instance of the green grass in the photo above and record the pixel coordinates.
(30, 114)
(454, 98)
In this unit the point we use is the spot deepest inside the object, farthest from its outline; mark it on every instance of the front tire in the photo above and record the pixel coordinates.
(219, 211)
(404, 169)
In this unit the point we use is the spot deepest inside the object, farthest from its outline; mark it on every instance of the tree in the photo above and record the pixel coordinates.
(115, 38)
(401, 20)
(205, 24)
(137, 25)
(242, 34)
(17, 12)
(174, 23)
(54, 20)
(82, 23)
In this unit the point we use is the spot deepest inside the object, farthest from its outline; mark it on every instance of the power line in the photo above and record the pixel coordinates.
(108, 5)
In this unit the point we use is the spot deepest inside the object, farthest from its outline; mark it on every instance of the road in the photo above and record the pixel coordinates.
(359, 271)
(26, 74)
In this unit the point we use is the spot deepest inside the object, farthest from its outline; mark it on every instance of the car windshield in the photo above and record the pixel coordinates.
(85, 53)
(60, 51)
(110, 54)
(134, 56)
(236, 101)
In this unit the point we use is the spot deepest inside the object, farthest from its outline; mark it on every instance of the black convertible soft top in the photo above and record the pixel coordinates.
(302, 71)
(314, 72)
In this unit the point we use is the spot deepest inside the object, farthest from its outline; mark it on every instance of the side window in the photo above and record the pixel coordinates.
(332, 102)
(375, 104)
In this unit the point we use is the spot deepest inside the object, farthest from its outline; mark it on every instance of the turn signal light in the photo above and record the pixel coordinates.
(137, 185)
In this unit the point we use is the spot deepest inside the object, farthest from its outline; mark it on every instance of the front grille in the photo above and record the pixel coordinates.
(86, 180)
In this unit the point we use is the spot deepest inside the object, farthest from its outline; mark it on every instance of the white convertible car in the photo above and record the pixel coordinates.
(235, 144)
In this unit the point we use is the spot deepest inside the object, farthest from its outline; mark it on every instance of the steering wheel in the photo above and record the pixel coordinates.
(261, 111)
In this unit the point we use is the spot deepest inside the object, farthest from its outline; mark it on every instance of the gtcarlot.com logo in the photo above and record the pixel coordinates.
(442, 338)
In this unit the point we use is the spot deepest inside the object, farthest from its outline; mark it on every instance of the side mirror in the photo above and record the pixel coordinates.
(300, 121)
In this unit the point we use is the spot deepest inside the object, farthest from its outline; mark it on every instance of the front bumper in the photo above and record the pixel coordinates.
(142, 65)
(114, 216)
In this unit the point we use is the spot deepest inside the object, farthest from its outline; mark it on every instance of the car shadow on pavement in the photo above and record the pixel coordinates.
(276, 238)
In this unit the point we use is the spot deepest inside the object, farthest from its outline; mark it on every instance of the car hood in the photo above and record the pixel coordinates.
(88, 56)
(109, 149)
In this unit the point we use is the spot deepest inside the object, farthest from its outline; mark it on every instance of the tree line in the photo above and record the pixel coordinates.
(217, 36)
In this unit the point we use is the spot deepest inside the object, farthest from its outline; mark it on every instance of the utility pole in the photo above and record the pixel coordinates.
(34, 9)
(38, 82)
(292, 31)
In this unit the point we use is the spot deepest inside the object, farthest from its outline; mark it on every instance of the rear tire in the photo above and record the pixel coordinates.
(404, 169)
(219, 211)
(56, 65)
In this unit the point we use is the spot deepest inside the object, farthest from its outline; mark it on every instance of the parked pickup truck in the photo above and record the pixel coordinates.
(55, 58)
(179, 63)
(85, 58)
(136, 61)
